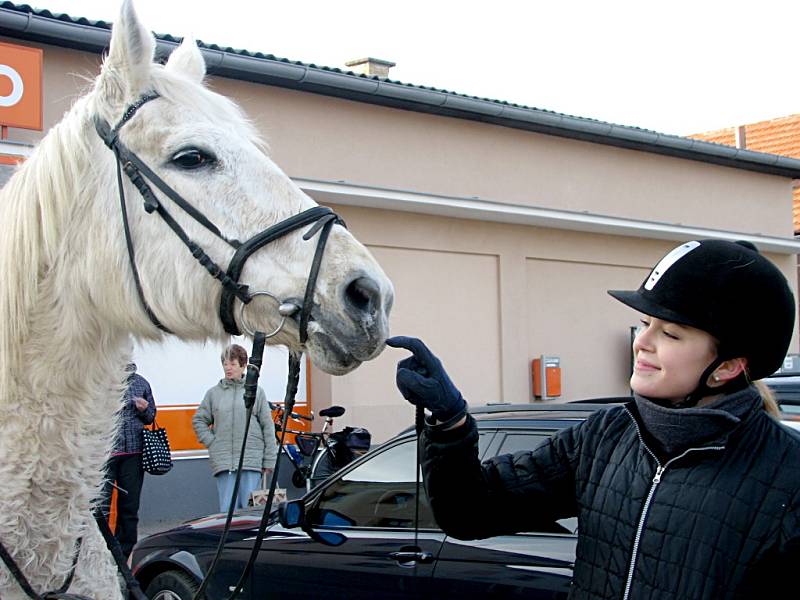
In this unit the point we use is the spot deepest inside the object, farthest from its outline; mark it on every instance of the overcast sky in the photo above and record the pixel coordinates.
(677, 67)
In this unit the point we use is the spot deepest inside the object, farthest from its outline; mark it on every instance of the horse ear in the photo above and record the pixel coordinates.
(188, 59)
(126, 70)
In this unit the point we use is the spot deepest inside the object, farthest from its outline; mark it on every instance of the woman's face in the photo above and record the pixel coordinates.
(669, 359)
(233, 370)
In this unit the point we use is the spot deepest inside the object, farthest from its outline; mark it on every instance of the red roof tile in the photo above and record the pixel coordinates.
(776, 136)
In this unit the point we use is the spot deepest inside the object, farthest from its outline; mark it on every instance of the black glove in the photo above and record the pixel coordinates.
(422, 380)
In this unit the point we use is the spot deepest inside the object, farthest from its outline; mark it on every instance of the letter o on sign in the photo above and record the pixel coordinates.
(20, 86)
(17, 86)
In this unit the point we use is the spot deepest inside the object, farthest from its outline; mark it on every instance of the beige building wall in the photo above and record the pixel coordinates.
(487, 296)
(543, 291)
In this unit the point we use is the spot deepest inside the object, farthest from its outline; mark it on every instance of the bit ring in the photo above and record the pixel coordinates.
(246, 326)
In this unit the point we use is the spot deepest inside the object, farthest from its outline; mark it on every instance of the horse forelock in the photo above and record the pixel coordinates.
(211, 106)
(192, 96)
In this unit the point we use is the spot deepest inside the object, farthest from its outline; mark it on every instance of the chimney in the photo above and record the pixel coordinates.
(374, 67)
(741, 137)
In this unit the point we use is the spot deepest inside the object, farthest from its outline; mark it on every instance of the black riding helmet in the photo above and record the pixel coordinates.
(726, 289)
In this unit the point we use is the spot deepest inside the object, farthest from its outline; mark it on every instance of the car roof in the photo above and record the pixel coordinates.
(785, 388)
(782, 380)
(543, 414)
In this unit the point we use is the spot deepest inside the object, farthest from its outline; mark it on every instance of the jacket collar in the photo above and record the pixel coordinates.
(226, 384)
(673, 430)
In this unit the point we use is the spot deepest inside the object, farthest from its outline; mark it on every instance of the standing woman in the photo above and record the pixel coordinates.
(219, 424)
(124, 469)
(689, 491)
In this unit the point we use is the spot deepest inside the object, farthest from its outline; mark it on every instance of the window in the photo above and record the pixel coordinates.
(514, 442)
(528, 440)
(380, 492)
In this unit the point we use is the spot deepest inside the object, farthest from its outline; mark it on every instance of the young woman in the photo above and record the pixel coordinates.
(219, 425)
(689, 491)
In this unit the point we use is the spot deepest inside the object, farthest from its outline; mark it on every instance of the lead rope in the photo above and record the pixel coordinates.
(24, 584)
(250, 389)
(288, 401)
(419, 423)
(134, 589)
(322, 225)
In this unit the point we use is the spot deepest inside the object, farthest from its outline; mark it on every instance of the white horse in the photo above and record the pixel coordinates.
(69, 305)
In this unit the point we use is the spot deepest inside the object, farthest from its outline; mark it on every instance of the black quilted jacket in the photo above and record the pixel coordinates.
(715, 522)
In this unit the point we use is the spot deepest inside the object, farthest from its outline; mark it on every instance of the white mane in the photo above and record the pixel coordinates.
(34, 206)
(69, 306)
(44, 198)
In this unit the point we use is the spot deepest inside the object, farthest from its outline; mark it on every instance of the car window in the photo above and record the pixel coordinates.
(380, 492)
(484, 439)
(528, 440)
(514, 442)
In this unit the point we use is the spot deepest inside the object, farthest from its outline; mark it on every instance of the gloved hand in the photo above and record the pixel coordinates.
(422, 380)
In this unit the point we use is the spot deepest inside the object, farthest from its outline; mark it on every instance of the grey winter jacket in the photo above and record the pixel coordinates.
(219, 425)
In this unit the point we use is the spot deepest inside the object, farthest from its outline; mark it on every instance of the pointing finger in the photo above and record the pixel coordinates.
(416, 346)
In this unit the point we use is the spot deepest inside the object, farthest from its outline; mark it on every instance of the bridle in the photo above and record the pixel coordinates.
(322, 218)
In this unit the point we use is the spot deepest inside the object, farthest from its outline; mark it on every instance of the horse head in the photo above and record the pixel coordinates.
(202, 147)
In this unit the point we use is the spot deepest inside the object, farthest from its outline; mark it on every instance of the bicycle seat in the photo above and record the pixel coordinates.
(332, 411)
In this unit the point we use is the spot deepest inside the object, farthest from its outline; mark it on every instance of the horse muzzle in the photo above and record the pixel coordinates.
(352, 329)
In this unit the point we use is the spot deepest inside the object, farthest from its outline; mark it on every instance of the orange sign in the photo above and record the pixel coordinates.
(20, 86)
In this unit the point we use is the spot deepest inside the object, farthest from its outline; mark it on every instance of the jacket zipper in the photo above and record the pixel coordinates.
(646, 508)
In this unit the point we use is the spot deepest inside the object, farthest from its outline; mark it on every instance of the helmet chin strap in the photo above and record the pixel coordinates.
(702, 390)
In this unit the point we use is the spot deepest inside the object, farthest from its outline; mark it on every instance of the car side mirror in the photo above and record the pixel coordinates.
(329, 518)
(292, 514)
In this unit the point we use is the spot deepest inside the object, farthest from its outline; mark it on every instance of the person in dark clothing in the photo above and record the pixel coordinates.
(124, 469)
(691, 490)
(343, 448)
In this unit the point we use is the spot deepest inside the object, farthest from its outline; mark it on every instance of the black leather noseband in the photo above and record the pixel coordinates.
(140, 174)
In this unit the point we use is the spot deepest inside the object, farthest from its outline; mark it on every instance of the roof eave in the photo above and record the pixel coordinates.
(269, 71)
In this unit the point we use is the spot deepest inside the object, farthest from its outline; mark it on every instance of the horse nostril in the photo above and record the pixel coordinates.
(363, 294)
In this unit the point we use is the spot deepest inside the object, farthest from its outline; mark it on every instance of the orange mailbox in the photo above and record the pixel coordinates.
(547, 369)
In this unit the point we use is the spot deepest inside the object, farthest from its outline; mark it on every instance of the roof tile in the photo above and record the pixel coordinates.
(775, 136)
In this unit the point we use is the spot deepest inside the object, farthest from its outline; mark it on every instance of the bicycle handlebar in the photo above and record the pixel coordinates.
(294, 415)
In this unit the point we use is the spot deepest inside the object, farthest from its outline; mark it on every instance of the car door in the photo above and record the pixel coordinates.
(381, 555)
(536, 564)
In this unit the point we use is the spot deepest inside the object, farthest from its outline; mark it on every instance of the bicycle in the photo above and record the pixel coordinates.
(310, 445)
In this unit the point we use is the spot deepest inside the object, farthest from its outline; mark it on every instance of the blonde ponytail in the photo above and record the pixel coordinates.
(770, 404)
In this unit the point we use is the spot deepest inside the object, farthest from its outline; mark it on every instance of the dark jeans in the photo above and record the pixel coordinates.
(128, 473)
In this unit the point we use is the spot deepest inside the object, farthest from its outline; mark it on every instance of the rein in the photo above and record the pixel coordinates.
(250, 390)
(322, 220)
(19, 576)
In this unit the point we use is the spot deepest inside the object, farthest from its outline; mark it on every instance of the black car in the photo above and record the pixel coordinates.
(786, 388)
(371, 548)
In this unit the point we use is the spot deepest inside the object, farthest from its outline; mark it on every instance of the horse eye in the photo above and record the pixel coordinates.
(192, 158)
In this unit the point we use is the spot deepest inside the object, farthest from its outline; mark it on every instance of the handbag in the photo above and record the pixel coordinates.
(156, 455)
(259, 497)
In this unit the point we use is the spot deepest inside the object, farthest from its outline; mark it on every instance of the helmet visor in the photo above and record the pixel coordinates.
(637, 301)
